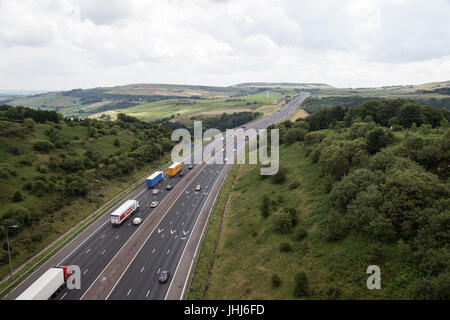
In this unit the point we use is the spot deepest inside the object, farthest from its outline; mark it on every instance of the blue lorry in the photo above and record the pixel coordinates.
(154, 179)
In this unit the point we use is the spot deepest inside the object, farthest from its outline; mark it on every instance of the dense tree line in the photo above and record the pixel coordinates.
(400, 113)
(222, 122)
(22, 113)
(315, 104)
(97, 95)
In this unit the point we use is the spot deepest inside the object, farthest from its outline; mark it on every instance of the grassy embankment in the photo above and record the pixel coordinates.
(242, 253)
(21, 164)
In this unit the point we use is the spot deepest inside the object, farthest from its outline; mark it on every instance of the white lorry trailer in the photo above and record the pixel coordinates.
(47, 284)
(123, 212)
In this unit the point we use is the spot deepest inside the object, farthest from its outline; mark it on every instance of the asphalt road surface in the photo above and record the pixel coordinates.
(164, 247)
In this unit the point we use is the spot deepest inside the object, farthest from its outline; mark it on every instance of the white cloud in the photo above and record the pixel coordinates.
(53, 44)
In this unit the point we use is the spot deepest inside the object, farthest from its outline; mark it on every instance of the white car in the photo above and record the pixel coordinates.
(154, 204)
(137, 221)
(226, 159)
(155, 191)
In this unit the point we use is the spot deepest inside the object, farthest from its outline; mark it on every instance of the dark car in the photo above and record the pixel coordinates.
(169, 187)
(164, 276)
(181, 174)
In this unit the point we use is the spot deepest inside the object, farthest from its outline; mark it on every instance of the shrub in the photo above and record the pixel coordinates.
(301, 286)
(17, 197)
(281, 222)
(43, 146)
(265, 206)
(280, 177)
(300, 234)
(276, 281)
(294, 185)
(285, 247)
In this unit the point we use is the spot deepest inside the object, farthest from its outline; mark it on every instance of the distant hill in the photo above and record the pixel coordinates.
(140, 100)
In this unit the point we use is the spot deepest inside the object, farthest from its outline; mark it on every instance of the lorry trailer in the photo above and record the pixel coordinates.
(174, 169)
(123, 212)
(154, 179)
(47, 285)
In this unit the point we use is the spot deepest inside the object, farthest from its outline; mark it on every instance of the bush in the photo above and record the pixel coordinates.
(281, 222)
(314, 138)
(43, 146)
(17, 197)
(276, 281)
(300, 234)
(285, 247)
(294, 185)
(265, 206)
(280, 177)
(301, 286)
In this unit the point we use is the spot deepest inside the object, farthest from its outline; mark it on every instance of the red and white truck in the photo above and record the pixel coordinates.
(123, 212)
(47, 284)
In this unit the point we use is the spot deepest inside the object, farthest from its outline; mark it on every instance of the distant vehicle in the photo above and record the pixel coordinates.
(123, 212)
(169, 187)
(234, 150)
(155, 191)
(181, 174)
(223, 139)
(154, 179)
(154, 204)
(198, 188)
(164, 276)
(174, 169)
(137, 221)
(47, 285)
(191, 167)
(226, 159)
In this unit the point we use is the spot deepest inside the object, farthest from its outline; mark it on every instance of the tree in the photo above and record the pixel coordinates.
(410, 113)
(117, 143)
(334, 162)
(376, 139)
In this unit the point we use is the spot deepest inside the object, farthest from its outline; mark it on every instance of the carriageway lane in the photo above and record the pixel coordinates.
(96, 252)
(163, 248)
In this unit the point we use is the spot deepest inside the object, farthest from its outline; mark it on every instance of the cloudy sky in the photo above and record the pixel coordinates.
(66, 44)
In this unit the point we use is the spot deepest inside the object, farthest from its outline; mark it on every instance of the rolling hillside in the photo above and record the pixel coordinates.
(348, 196)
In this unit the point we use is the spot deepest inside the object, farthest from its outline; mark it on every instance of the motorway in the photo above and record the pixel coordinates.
(164, 247)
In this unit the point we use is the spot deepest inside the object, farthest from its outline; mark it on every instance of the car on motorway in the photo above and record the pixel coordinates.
(181, 174)
(155, 191)
(198, 188)
(226, 159)
(169, 187)
(164, 276)
(137, 221)
(191, 167)
(154, 204)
